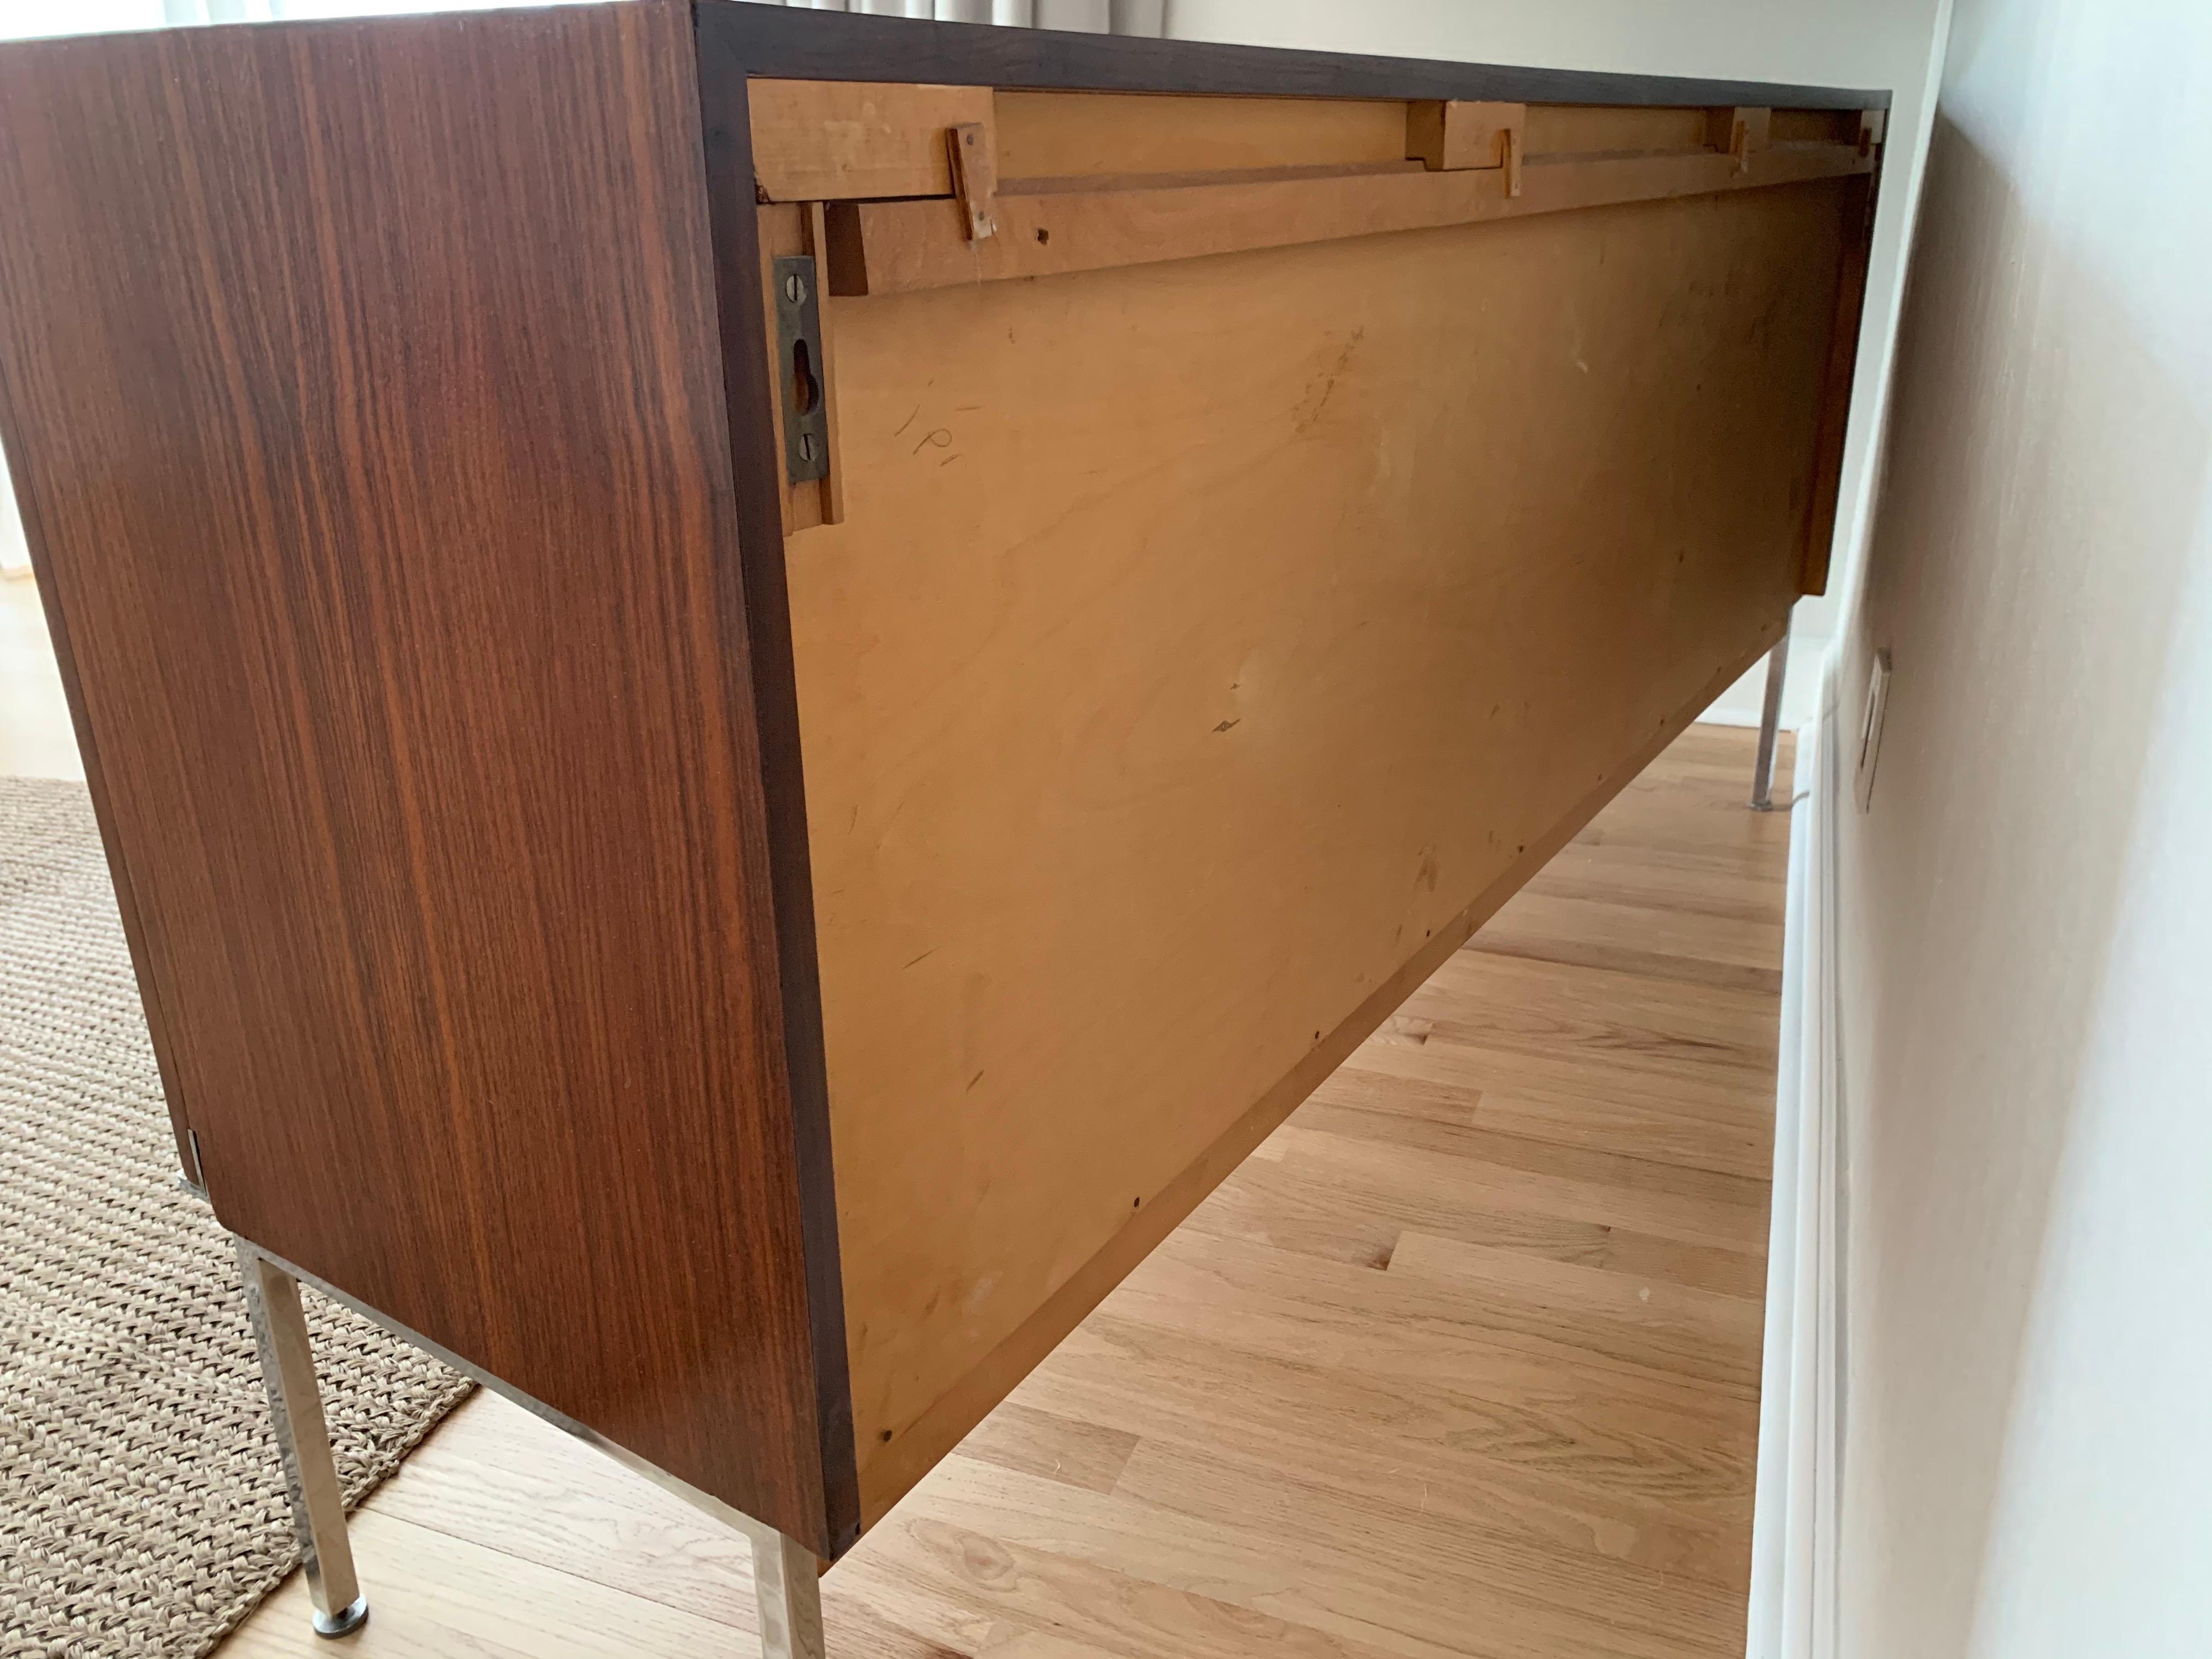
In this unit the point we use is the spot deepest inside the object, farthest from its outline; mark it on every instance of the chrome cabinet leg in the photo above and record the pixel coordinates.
(303, 1442)
(1770, 721)
(785, 1585)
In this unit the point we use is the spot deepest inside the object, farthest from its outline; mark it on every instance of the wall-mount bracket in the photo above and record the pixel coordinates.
(801, 370)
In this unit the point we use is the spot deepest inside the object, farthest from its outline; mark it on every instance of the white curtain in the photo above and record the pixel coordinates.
(1087, 16)
(19, 19)
(1083, 16)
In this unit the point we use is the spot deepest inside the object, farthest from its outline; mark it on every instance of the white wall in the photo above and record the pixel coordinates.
(1850, 43)
(2027, 908)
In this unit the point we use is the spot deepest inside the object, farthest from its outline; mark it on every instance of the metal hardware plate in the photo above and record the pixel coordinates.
(799, 371)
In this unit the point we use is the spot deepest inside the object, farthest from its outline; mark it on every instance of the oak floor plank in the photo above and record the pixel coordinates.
(1654, 941)
(1073, 1595)
(1560, 1073)
(1465, 1574)
(1345, 1585)
(1717, 1022)
(1704, 1266)
(430, 1592)
(1720, 1145)
(1642, 1484)
(1270, 1303)
(1366, 1143)
(1696, 838)
(1072, 1449)
(1462, 1364)
(1481, 1143)
(1356, 1219)
(1700, 1333)
(1641, 878)
(1704, 1036)
(1311, 1203)
(497, 1472)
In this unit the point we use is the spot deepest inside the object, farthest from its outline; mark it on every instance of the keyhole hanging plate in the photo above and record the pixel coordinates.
(799, 366)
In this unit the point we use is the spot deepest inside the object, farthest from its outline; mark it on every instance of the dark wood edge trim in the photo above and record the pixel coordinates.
(802, 45)
(726, 131)
(1836, 399)
(126, 899)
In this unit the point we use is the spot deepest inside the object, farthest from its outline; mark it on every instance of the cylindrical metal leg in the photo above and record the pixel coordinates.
(789, 1591)
(1770, 721)
(303, 1443)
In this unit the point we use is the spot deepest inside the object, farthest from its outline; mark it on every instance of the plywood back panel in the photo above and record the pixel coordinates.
(1071, 134)
(1577, 130)
(1815, 127)
(1204, 642)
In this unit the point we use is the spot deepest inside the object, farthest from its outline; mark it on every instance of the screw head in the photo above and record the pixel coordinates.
(807, 446)
(794, 289)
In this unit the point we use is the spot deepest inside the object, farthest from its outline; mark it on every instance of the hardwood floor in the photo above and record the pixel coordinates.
(1463, 1361)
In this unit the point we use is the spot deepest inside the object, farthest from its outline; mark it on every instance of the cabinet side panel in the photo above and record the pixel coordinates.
(368, 388)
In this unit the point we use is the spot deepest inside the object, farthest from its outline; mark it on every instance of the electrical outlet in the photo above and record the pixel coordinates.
(1877, 700)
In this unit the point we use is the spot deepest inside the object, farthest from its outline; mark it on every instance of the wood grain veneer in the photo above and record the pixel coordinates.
(364, 382)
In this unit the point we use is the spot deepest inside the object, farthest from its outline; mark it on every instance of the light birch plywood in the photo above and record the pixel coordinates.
(1206, 643)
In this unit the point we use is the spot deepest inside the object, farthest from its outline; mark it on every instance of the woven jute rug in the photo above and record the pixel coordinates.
(141, 1509)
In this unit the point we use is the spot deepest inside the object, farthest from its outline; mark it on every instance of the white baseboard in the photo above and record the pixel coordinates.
(1795, 1516)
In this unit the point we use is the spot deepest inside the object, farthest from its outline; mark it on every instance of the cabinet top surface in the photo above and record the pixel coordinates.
(800, 44)
(807, 44)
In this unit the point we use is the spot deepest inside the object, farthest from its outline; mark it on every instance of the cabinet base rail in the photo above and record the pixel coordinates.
(786, 1576)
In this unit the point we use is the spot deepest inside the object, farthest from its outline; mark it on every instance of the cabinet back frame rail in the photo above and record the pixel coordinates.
(1089, 181)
